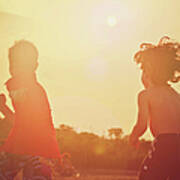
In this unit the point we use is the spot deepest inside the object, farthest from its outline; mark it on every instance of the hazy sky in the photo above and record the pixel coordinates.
(86, 49)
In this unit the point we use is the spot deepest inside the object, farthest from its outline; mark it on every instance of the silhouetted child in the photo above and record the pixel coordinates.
(159, 107)
(31, 144)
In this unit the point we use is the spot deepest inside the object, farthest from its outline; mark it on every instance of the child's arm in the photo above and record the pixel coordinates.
(5, 109)
(142, 121)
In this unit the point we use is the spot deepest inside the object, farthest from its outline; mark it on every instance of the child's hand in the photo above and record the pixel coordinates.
(2, 100)
(134, 141)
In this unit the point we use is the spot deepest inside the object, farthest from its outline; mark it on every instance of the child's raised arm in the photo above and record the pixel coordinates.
(5, 109)
(142, 120)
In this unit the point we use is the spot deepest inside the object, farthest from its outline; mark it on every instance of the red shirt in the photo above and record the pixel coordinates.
(33, 132)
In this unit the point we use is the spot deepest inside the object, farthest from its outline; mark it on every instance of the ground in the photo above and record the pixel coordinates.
(105, 175)
(99, 175)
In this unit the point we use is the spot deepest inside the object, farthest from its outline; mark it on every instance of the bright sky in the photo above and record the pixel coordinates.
(86, 49)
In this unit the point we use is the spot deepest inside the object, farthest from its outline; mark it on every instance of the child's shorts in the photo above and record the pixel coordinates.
(32, 167)
(163, 160)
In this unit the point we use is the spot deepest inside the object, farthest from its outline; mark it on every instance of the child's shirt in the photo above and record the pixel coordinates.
(33, 132)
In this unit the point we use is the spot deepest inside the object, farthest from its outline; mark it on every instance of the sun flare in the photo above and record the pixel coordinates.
(112, 21)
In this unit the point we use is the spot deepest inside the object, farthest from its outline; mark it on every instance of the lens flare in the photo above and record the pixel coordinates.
(112, 21)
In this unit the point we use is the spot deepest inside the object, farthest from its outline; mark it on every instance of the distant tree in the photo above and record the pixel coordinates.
(115, 132)
(66, 127)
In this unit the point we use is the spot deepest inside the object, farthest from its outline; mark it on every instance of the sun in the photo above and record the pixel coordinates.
(112, 21)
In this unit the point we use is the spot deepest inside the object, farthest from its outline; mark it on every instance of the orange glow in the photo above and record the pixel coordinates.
(85, 54)
(99, 149)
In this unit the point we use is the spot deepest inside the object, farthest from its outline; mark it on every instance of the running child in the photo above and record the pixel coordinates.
(31, 145)
(159, 108)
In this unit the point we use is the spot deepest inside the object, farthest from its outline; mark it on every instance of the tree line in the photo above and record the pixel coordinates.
(90, 151)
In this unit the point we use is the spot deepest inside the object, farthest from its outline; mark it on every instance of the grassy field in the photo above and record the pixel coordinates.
(103, 178)
(98, 175)
(105, 175)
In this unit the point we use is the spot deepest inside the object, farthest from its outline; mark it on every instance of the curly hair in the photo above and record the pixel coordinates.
(23, 52)
(161, 62)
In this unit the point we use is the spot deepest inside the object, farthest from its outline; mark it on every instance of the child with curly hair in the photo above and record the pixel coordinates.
(159, 108)
(31, 145)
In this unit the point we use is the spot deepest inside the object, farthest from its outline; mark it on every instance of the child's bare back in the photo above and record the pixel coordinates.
(164, 110)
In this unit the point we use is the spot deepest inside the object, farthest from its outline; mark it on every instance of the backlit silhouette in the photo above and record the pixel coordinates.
(159, 107)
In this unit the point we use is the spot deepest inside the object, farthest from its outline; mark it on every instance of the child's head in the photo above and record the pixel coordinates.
(160, 63)
(23, 57)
